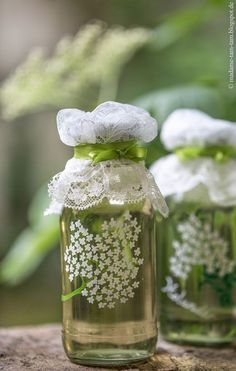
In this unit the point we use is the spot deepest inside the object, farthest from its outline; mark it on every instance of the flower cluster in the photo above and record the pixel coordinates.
(199, 246)
(108, 263)
(80, 68)
(172, 291)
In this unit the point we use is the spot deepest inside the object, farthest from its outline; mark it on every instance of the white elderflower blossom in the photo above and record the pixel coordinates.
(80, 68)
(171, 289)
(109, 263)
(199, 246)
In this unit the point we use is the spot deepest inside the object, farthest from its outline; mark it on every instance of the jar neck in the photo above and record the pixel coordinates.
(99, 152)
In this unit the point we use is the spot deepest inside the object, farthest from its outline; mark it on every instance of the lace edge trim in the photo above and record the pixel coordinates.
(56, 208)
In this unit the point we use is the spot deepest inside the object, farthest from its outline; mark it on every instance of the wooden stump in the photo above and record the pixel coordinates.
(40, 348)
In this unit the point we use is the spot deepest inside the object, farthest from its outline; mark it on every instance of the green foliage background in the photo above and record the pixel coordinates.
(177, 60)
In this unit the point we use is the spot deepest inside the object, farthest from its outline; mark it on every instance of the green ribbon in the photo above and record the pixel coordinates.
(218, 153)
(117, 150)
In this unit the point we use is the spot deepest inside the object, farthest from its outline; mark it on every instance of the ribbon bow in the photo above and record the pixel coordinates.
(218, 153)
(117, 150)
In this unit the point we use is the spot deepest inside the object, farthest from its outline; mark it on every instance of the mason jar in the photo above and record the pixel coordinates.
(197, 266)
(108, 203)
(197, 244)
(108, 257)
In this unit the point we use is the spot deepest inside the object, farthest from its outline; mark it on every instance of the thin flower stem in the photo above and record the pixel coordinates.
(75, 292)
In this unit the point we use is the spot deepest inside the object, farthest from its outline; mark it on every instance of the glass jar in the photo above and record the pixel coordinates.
(108, 255)
(107, 201)
(197, 265)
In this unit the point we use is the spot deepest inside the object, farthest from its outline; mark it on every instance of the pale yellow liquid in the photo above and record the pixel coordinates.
(218, 296)
(127, 332)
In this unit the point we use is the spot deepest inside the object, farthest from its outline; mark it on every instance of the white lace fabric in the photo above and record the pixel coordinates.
(188, 127)
(202, 179)
(82, 184)
(109, 122)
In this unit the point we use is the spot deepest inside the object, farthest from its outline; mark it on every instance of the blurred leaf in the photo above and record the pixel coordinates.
(229, 101)
(156, 150)
(27, 252)
(217, 2)
(161, 103)
(182, 22)
(32, 245)
(37, 207)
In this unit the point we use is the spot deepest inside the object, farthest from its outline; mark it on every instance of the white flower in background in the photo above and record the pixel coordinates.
(171, 289)
(109, 264)
(80, 68)
(199, 245)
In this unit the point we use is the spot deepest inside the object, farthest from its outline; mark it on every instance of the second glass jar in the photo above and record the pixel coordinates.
(197, 262)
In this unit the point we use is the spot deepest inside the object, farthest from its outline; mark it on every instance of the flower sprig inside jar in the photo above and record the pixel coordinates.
(106, 263)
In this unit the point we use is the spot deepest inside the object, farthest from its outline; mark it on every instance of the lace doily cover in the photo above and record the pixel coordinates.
(204, 178)
(109, 122)
(82, 185)
(187, 127)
